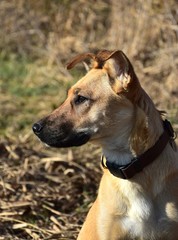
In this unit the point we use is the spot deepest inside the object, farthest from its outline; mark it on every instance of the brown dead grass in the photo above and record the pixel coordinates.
(43, 195)
(50, 32)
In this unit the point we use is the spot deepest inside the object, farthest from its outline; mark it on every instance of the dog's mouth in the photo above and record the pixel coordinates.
(61, 141)
(74, 139)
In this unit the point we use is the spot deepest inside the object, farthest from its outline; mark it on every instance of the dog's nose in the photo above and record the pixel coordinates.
(37, 127)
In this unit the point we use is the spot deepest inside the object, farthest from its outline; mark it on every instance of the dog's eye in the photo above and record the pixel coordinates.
(80, 99)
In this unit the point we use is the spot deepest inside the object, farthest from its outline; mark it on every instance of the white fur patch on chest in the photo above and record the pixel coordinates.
(138, 216)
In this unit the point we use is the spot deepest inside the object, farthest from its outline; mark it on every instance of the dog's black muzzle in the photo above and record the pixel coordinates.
(59, 135)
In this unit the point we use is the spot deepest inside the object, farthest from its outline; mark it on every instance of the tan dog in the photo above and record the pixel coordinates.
(138, 193)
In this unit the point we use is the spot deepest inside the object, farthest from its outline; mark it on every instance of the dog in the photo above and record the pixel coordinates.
(138, 192)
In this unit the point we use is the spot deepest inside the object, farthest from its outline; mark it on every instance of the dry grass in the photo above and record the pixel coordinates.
(148, 33)
(45, 194)
(49, 32)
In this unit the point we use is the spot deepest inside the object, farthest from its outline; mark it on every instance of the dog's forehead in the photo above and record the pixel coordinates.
(94, 78)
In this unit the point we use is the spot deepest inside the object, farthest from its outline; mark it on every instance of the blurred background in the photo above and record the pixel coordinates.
(44, 193)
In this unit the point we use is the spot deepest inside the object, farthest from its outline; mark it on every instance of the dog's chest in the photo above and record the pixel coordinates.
(146, 218)
(138, 216)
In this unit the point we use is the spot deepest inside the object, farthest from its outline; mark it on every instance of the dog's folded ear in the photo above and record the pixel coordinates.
(80, 58)
(100, 59)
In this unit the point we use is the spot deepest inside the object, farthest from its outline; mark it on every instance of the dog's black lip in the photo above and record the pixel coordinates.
(73, 140)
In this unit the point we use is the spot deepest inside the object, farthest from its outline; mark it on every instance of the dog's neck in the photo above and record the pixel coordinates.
(119, 157)
(143, 133)
(117, 151)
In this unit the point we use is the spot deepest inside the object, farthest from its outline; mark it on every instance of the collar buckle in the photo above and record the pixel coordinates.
(118, 171)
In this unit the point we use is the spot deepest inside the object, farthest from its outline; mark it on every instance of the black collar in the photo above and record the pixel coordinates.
(137, 164)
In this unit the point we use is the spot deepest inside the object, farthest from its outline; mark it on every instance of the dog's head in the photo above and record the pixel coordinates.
(98, 105)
